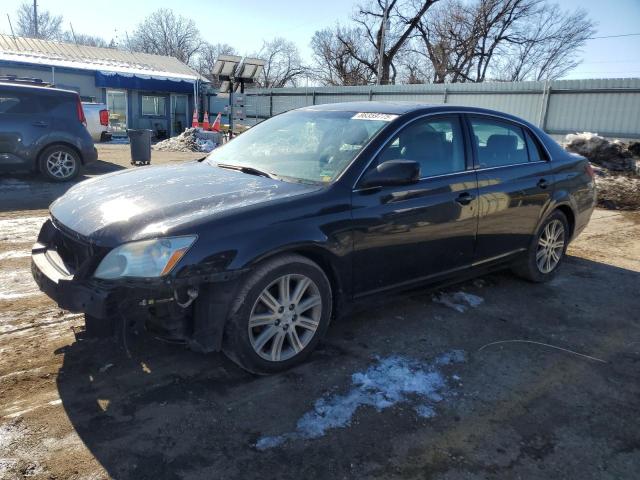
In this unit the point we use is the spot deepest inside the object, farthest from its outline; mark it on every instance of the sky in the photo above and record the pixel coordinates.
(247, 23)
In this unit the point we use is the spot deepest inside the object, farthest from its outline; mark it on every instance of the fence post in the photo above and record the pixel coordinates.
(370, 94)
(313, 97)
(544, 108)
(270, 103)
(444, 96)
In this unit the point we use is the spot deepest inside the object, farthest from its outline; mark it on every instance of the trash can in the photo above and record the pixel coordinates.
(140, 141)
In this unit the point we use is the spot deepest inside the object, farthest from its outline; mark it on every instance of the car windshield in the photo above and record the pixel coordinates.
(302, 145)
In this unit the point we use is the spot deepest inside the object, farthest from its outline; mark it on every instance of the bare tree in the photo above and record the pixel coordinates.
(501, 39)
(334, 64)
(165, 33)
(283, 64)
(88, 40)
(208, 54)
(547, 47)
(403, 18)
(49, 25)
(448, 41)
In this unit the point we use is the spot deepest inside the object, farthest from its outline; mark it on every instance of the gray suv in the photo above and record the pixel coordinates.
(43, 129)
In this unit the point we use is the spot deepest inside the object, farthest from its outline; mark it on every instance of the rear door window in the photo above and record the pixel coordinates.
(436, 143)
(12, 103)
(498, 143)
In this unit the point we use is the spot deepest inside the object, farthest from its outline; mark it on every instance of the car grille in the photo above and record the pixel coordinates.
(76, 253)
(73, 252)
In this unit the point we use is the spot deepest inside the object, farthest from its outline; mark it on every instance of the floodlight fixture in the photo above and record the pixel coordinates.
(225, 65)
(250, 69)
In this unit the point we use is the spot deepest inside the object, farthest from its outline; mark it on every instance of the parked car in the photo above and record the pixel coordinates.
(97, 115)
(256, 248)
(43, 129)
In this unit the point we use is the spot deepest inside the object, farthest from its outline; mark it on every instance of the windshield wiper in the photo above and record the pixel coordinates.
(248, 170)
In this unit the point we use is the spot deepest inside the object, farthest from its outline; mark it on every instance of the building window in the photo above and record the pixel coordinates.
(153, 106)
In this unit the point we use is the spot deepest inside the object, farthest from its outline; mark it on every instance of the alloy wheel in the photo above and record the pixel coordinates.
(61, 164)
(285, 317)
(550, 246)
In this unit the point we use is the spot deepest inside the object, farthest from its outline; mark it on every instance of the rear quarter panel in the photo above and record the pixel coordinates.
(573, 185)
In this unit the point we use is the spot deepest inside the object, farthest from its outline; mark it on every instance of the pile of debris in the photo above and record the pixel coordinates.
(613, 155)
(617, 167)
(191, 140)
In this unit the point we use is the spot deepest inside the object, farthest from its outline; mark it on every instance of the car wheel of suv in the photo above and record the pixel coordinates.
(59, 163)
(280, 314)
(546, 250)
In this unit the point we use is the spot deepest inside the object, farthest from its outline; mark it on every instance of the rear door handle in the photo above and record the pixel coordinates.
(465, 198)
(40, 124)
(542, 183)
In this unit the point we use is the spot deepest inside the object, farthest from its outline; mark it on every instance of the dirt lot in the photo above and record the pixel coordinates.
(400, 389)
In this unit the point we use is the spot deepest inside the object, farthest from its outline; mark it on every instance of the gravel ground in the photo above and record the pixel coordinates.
(403, 388)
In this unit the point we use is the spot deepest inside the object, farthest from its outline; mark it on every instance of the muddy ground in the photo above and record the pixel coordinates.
(404, 388)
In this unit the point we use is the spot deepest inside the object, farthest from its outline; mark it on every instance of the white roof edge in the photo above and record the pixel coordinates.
(103, 67)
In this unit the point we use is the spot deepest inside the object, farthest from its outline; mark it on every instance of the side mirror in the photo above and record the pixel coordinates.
(392, 172)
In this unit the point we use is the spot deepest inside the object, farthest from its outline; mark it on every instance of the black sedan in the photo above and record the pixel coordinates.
(254, 249)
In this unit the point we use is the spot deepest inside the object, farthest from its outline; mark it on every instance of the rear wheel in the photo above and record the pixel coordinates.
(546, 250)
(59, 163)
(279, 316)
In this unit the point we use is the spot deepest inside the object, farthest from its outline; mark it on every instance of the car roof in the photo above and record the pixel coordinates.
(401, 108)
(38, 88)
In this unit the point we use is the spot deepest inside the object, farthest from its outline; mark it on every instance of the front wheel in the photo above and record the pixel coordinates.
(546, 250)
(59, 163)
(280, 314)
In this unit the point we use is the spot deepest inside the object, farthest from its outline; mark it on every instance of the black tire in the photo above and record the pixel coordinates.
(68, 155)
(528, 267)
(237, 344)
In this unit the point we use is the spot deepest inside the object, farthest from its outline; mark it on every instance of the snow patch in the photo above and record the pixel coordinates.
(454, 356)
(17, 284)
(191, 140)
(14, 254)
(459, 301)
(425, 411)
(21, 230)
(390, 381)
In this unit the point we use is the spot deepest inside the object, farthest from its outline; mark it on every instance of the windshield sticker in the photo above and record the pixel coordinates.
(385, 117)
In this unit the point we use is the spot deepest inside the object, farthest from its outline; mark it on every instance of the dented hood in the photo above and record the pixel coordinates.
(151, 201)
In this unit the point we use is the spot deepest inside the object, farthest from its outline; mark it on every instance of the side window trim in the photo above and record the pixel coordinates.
(533, 139)
(463, 115)
(455, 116)
(496, 119)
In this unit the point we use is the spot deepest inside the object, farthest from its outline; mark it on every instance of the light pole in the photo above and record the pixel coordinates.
(35, 17)
(383, 29)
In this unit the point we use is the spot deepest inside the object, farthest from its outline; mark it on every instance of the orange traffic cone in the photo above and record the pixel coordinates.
(205, 120)
(216, 123)
(194, 122)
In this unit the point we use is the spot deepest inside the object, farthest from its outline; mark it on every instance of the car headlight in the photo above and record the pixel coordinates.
(147, 258)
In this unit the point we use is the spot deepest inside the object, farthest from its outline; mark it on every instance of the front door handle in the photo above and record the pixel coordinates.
(465, 198)
(40, 124)
(542, 183)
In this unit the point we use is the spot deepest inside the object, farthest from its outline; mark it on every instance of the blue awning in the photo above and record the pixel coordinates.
(133, 82)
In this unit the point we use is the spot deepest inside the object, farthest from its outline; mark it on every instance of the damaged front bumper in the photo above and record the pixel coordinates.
(190, 309)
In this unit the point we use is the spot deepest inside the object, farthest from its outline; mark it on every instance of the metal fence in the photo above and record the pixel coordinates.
(609, 107)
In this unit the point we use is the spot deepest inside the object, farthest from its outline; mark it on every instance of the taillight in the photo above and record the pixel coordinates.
(81, 116)
(589, 169)
(104, 118)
